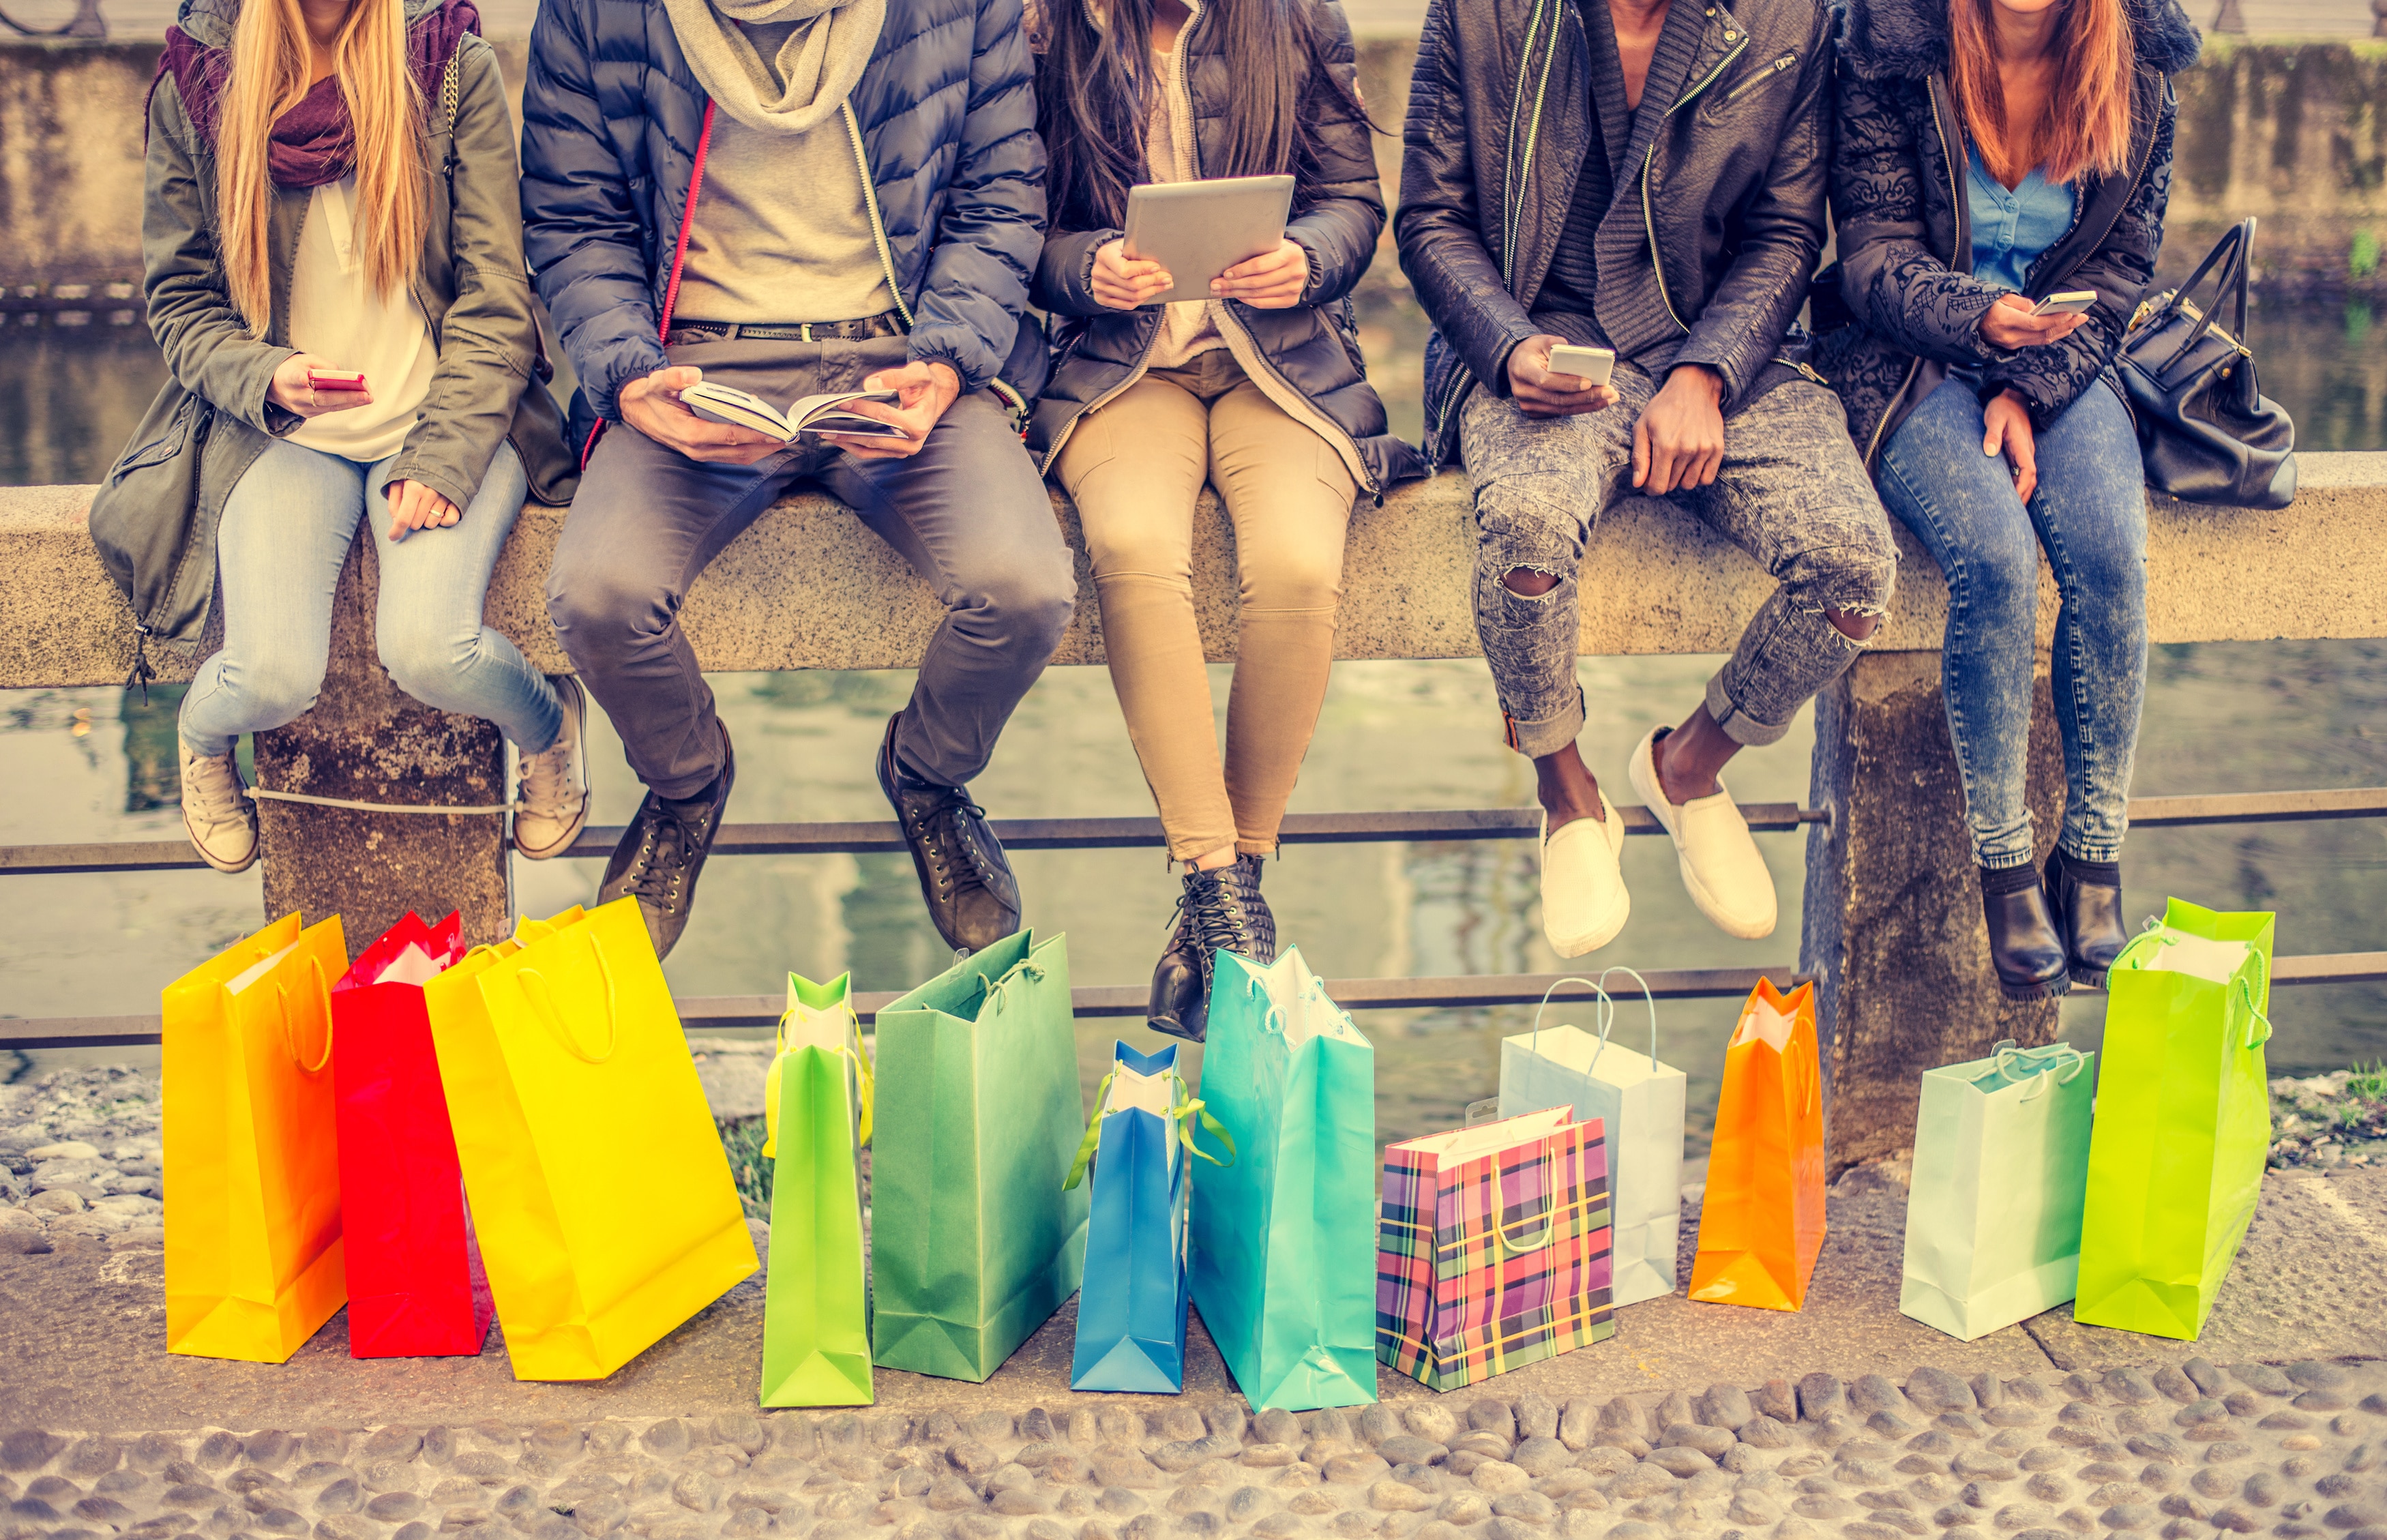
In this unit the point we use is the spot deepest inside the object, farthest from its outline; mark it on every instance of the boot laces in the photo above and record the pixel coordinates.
(946, 836)
(1211, 915)
(660, 868)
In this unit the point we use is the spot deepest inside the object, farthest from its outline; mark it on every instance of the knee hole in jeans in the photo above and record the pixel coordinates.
(1531, 582)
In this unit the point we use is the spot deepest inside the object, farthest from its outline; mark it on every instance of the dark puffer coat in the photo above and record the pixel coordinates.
(1901, 308)
(944, 116)
(1312, 348)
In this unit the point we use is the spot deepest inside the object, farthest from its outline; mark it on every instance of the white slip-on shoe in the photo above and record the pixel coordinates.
(555, 783)
(216, 812)
(1583, 900)
(1721, 867)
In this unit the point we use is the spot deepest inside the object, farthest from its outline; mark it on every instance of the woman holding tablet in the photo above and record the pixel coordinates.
(334, 252)
(1258, 390)
(1998, 191)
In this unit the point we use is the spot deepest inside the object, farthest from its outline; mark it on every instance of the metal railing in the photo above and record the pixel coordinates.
(702, 1013)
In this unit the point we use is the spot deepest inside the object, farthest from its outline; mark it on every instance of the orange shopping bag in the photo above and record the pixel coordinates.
(253, 1261)
(1762, 1222)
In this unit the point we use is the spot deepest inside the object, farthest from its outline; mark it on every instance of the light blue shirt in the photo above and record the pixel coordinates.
(2010, 229)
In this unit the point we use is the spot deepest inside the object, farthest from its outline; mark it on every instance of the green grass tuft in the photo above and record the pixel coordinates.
(2369, 1083)
(741, 1141)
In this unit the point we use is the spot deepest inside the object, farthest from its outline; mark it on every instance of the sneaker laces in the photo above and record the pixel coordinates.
(949, 823)
(547, 784)
(662, 863)
(214, 785)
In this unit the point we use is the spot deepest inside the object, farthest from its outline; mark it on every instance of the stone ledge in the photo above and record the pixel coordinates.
(1663, 584)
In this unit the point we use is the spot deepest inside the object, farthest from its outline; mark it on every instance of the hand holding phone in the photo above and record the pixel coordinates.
(1591, 365)
(334, 379)
(306, 386)
(2070, 302)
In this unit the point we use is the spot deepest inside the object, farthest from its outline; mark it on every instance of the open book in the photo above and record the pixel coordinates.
(721, 403)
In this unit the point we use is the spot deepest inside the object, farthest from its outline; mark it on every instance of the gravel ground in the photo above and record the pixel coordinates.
(2183, 1452)
(2330, 1120)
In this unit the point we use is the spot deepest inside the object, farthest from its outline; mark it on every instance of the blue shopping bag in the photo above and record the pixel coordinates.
(1132, 1308)
(1285, 1240)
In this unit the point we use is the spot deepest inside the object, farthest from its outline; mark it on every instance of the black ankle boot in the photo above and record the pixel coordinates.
(2085, 898)
(2025, 945)
(1219, 910)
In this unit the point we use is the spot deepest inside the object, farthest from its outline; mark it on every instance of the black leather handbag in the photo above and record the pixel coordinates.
(2206, 432)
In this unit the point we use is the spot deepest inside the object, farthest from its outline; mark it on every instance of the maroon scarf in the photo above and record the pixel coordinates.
(314, 143)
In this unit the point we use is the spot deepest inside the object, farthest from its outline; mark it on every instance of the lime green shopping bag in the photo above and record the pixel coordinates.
(815, 1310)
(974, 1244)
(2183, 1121)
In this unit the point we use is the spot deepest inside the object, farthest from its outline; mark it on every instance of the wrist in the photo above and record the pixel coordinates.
(1698, 376)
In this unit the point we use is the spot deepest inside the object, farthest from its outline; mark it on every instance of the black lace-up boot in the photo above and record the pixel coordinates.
(2024, 943)
(973, 898)
(2085, 898)
(1219, 911)
(662, 853)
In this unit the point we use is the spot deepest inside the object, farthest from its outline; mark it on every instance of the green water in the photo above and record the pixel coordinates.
(93, 764)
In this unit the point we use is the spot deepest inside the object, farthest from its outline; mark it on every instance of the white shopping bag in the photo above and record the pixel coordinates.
(1640, 1101)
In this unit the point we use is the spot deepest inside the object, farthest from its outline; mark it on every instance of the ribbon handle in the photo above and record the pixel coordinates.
(289, 1040)
(1186, 1111)
(553, 1020)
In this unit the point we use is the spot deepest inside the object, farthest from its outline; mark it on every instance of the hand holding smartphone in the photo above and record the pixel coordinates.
(1591, 365)
(2070, 302)
(334, 379)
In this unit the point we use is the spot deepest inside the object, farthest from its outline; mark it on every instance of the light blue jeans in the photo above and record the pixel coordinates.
(2089, 514)
(286, 530)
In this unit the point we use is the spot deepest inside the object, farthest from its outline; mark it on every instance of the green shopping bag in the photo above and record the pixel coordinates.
(1285, 1240)
(974, 1244)
(815, 1310)
(2183, 1120)
(1993, 1219)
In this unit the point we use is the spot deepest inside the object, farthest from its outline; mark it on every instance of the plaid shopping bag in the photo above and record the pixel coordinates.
(1493, 1250)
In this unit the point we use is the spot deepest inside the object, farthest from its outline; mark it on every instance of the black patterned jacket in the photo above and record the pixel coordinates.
(1900, 306)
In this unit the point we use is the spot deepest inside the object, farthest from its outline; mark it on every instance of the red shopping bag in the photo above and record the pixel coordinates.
(415, 1284)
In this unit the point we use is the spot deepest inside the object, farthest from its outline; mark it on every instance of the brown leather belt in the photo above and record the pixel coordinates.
(886, 323)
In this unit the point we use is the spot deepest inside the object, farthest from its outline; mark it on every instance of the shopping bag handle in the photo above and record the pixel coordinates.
(993, 997)
(1549, 1218)
(865, 1073)
(289, 1042)
(1188, 1110)
(553, 1018)
(2058, 1063)
(2247, 985)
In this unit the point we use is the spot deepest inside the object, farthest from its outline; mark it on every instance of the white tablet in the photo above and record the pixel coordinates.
(1198, 230)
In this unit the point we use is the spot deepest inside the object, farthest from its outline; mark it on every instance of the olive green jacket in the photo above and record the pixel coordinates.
(155, 518)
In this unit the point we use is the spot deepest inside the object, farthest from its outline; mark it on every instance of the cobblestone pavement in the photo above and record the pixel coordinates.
(2184, 1452)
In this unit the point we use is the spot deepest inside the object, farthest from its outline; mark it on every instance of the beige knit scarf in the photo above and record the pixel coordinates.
(818, 63)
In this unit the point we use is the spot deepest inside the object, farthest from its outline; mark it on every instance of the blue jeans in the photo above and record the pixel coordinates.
(286, 530)
(2089, 514)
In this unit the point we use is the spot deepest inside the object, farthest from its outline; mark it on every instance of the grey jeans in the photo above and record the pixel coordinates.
(1792, 493)
(968, 511)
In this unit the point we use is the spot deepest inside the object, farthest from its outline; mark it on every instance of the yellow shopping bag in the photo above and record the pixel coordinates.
(603, 1202)
(253, 1261)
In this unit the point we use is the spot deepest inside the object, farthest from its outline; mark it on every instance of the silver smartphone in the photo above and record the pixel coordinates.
(1198, 230)
(2072, 302)
(1591, 364)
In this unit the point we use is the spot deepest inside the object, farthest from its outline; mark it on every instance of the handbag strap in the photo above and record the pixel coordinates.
(289, 1040)
(2233, 251)
(553, 1018)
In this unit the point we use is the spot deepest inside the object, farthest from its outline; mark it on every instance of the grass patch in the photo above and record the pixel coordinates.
(741, 1141)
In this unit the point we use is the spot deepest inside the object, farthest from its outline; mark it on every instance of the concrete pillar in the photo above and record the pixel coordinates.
(1893, 929)
(366, 741)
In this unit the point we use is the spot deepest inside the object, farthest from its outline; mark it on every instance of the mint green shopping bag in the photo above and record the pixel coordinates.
(2001, 1162)
(1285, 1240)
(2183, 1120)
(974, 1244)
(816, 1308)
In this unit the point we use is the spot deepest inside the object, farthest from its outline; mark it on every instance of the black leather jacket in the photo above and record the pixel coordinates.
(1900, 306)
(1733, 185)
(1307, 356)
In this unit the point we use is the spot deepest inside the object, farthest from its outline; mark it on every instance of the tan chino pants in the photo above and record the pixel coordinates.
(1134, 470)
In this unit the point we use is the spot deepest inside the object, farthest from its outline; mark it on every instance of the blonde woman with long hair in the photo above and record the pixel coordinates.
(1998, 192)
(334, 271)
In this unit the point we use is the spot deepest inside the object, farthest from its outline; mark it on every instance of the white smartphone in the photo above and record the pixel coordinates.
(2072, 302)
(1591, 364)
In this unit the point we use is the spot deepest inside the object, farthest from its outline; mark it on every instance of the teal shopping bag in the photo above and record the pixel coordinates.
(2183, 1120)
(973, 1242)
(2001, 1163)
(1285, 1240)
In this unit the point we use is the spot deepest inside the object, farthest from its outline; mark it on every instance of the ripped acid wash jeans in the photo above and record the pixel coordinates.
(1792, 492)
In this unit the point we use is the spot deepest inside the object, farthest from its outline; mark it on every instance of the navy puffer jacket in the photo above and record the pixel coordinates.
(945, 112)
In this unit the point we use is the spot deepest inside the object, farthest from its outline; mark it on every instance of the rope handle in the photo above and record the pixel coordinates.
(991, 989)
(2247, 985)
(2154, 935)
(1606, 1016)
(553, 1018)
(2058, 1064)
(289, 1042)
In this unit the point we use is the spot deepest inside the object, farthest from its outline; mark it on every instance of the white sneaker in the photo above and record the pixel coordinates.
(1583, 900)
(216, 812)
(555, 783)
(1722, 868)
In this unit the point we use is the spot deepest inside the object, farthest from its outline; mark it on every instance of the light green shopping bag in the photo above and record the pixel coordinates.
(2183, 1121)
(974, 1244)
(816, 1311)
(2001, 1160)
(1285, 1240)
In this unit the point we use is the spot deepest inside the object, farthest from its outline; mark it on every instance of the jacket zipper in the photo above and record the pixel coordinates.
(1962, 254)
(1760, 78)
(1648, 221)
